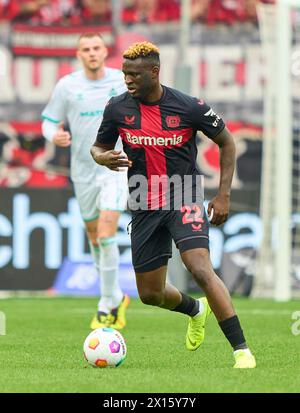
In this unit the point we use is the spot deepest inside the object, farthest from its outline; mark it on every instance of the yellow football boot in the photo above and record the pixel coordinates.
(196, 328)
(118, 314)
(100, 320)
(244, 359)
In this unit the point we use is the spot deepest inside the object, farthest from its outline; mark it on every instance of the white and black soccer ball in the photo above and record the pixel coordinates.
(105, 347)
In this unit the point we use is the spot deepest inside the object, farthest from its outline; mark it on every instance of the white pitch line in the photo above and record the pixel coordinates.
(265, 312)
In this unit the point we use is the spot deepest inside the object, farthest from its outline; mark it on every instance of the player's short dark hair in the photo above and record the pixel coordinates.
(143, 50)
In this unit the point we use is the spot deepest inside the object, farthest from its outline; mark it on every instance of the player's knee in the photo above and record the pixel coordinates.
(200, 267)
(201, 272)
(106, 233)
(108, 225)
(151, 297)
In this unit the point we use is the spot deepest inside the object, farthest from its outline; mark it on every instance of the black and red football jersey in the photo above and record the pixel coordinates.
(159, 138)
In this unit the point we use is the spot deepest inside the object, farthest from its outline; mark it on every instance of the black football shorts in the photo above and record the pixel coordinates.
(152, 233)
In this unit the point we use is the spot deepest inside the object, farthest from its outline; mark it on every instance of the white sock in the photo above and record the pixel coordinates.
(201, 308)
(117, 297)
(111, 293)
(104, 304)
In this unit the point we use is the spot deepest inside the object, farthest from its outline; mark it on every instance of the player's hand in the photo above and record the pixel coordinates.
(219, 209)
(114, 160)
(62, 138)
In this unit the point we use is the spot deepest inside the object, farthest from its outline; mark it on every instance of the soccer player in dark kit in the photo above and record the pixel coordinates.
(158, 127)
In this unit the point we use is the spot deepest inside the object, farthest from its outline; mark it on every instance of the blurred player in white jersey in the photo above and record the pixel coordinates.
(79, 99)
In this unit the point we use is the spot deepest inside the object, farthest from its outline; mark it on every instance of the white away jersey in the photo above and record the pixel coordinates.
(80, 102)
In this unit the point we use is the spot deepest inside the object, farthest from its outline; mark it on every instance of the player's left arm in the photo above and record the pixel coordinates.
(212, 125)
(220, 204)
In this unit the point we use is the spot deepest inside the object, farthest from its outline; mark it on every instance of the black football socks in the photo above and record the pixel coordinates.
(231, 326)
(233, 332)
(188, 305)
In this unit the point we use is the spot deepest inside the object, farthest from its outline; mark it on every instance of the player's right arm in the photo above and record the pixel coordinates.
(56, 133)
(53, 118)
(106, 156)
(102, 150)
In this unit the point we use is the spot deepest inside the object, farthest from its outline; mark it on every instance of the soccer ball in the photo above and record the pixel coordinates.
(104, 347)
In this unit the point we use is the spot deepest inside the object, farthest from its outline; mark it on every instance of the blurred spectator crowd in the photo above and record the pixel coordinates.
(76, 12)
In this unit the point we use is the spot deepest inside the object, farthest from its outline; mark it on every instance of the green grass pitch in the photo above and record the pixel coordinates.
(42, 350)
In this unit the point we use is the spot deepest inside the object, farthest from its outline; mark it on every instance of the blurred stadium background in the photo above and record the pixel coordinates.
(219, 50)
